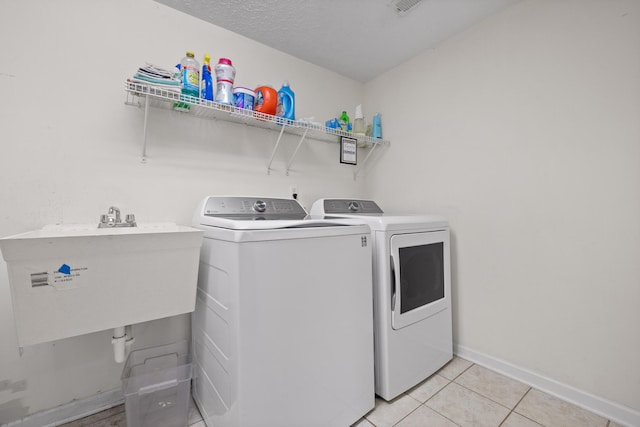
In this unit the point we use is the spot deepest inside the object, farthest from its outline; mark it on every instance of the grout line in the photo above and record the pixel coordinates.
(489, 398)
(524, 416)
(432, 396)
(400, 420)
(370, 422)
(449, 381)
(442, 415)
(511, 410)
(522, 398)
(423, 404)
(463, 371)
(483, 396)
(514, 409)
(438, 391)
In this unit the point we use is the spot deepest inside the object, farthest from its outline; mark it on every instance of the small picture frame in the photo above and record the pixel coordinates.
(348, 150)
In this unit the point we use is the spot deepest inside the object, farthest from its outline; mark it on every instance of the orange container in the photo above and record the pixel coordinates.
(266, 100)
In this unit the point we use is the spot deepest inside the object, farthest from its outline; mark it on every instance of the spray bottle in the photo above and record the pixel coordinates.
(206, 84)
(358, 122)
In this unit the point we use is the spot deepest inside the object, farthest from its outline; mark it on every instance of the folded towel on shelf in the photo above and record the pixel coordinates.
(159, 82)
(157, 86)
(155, 71)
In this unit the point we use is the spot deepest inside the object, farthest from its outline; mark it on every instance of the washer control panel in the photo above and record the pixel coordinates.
(351, 206)
(238, 207)
(260, 206)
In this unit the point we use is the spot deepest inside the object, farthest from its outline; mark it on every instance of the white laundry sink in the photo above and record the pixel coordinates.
(69, 280)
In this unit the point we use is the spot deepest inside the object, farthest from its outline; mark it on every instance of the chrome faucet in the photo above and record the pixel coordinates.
(113, 219)
(116, 211)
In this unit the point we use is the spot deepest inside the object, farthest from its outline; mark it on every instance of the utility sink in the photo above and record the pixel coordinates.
(69, 280)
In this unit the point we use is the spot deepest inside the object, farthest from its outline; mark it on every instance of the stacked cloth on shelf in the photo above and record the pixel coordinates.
(158, 77)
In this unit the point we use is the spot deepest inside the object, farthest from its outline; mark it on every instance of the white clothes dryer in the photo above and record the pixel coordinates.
(282, 329)
(411, 292)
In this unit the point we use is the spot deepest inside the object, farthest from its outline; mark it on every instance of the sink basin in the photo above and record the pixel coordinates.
(69, 280)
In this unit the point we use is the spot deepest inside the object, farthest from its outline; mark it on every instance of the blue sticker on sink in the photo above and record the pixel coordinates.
(64, 269)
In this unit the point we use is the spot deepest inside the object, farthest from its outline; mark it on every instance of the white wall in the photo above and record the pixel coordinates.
(525, 132)
(71, 148)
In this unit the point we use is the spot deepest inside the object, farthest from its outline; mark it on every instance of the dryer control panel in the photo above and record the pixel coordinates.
(249, 208)
(351, 206)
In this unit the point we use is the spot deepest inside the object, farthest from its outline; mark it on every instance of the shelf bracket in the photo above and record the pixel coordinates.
(275, 149)
(364, 162)
(296, 151)
(144, 137)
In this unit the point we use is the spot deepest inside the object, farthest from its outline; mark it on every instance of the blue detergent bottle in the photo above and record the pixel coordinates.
(376, 131)
(286, 103)
(206, 83)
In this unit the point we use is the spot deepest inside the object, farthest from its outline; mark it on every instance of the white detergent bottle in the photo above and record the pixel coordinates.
(358, 122)
(225, 75)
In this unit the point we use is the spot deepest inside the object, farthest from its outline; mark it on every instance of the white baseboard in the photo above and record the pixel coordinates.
(71, 411)
(610, 410)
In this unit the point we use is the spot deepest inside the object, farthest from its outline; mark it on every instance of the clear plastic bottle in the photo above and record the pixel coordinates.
(190, 76)
(358, 122)
(206, 84)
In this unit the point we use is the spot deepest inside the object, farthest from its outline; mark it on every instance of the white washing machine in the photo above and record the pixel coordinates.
(282, 329)
(411, 292)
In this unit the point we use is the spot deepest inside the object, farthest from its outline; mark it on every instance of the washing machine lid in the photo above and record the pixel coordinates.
(368, 212)
(256, 213)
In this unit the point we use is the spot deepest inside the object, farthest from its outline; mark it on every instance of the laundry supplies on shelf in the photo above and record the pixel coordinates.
(190, 75)
(266, 100)
(286, 102)
(206, 84)
(158, 77)
(345, 126)
(244, 98)
(225, 75)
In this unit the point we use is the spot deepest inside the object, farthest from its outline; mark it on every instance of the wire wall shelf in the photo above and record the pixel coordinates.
(145, 96)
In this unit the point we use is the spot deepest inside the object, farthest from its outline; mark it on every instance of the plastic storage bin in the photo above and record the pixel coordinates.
(156, 383)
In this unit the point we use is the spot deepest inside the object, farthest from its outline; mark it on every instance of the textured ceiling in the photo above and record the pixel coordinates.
(359, 39)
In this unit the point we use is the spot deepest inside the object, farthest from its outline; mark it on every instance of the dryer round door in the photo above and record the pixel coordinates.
(420, 276)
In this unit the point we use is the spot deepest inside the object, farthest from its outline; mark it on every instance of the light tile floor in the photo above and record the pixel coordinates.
(460, 394)
(464, 394)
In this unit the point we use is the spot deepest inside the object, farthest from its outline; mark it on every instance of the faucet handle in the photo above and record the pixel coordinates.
(113, 210)
(106, 220)
(131, 219)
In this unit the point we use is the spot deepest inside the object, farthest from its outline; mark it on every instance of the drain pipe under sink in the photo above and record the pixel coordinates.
(122, 340)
